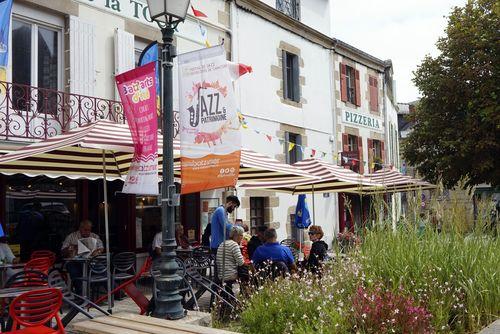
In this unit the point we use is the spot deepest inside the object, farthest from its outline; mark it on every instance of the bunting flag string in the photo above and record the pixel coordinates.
(313, 152)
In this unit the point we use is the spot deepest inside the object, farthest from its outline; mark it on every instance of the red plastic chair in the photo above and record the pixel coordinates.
(41, 264)
(34, 309)
(44, 253)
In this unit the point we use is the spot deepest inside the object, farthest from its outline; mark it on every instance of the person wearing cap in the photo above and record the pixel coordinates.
(219, 220)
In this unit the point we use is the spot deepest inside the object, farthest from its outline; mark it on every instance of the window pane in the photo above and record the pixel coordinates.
(47, 70)
(21, 63)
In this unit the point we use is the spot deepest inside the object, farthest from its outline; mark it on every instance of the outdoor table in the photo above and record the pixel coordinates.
(84, 261)
(3, 269)
(128, 323)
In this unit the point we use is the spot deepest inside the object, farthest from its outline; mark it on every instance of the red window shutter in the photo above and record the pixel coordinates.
(360, 149)
(375, 94)
(370, 155)
(345, 142)
(372, 93)
(382, 148)
(343, 82)
(358, 89)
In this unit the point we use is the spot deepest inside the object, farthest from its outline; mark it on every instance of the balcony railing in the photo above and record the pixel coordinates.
(29, 113)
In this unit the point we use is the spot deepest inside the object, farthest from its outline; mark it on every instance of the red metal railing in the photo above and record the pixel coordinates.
(28, 113)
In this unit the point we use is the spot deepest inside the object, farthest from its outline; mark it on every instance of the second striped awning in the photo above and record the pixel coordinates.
(332, 178)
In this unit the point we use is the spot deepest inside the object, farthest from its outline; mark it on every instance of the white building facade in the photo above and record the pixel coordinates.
(309, 96)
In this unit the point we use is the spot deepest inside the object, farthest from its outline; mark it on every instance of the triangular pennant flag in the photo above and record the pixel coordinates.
(313, 152)
(257, 131)
(236, 70)
(243, 123)
(198, 13)
(290, 146)
(324, 154)
(269, 137)
(302, 149)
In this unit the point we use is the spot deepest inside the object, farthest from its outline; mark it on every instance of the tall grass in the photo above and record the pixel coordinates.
(444, 261)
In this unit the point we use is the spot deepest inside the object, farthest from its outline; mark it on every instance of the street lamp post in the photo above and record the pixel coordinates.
(168, 14)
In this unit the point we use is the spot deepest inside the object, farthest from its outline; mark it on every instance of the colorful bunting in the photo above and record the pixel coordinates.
(270, 138)
(243, 123)
(313, 152)
(198, 13)
(291, 146)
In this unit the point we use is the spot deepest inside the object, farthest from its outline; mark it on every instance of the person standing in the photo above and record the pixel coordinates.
(219, 220)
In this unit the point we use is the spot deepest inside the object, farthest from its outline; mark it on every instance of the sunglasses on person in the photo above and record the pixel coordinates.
(311, 233)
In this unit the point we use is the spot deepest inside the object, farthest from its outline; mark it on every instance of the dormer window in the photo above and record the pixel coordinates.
(289, 7)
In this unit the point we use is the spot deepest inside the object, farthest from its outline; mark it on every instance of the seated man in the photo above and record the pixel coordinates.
(70, 249)
(256, 240)
(273, 251)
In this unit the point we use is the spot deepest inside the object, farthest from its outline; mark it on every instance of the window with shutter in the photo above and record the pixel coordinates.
(124, 53)
(350, 84)
(343, 82)
(257, 211)
(82, 56)
(357, 89)
(295, 154)
(291, 85)
(373, 88)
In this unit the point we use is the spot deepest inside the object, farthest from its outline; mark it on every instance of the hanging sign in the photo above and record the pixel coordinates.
(209, 124)
(137, 89)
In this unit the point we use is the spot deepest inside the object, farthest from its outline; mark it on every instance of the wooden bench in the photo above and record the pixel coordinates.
(128, 323)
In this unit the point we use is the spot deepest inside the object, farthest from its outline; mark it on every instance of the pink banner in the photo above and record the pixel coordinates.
(137, 89)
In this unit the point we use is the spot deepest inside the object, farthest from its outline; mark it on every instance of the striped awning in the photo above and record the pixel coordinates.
(394, 181)
(78, 153)
(332, 178)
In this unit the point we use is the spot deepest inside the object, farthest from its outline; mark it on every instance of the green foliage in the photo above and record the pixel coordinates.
(453, 276)
(457, 121)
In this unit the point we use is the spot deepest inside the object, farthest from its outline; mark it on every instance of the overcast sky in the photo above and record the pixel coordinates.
(401, 30)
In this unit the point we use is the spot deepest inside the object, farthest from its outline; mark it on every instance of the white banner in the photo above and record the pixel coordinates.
(209, 123)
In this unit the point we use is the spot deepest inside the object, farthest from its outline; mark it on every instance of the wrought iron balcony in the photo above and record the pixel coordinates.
(29, 113)
(289, 7)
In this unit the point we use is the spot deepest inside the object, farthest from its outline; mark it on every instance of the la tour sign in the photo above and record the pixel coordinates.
(367, 121)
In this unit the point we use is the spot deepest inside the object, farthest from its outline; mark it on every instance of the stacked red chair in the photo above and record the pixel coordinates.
(44, 253)
(33, 310)
(41, 264)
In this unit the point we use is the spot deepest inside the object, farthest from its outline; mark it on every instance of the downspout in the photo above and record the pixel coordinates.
(386, 146)
(334, 134)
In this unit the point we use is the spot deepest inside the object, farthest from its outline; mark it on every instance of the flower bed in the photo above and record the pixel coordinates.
(392, 282)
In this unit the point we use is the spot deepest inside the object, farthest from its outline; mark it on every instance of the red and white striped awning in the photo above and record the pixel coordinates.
(394, 181)
(332, 178)
(78, 153)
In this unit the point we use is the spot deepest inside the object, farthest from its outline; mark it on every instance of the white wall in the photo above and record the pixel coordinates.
(264, 110)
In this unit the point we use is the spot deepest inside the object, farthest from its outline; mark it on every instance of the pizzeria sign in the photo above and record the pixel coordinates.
(367, 121)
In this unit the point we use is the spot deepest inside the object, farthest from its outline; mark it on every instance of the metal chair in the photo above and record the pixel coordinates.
(185, 287)
(33, 310)
(77, 303)
(27, 278)
(123, 265)
(97, 274)
(290, 243)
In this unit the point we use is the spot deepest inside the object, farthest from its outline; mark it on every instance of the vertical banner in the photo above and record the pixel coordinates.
(5, 11)
(137, 90)
(209, 124)
(148, 55)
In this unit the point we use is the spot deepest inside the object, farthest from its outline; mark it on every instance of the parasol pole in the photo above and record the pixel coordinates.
(106, 227)
(314, 212)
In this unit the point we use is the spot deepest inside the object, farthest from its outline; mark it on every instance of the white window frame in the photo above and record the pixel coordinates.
(35, 24)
